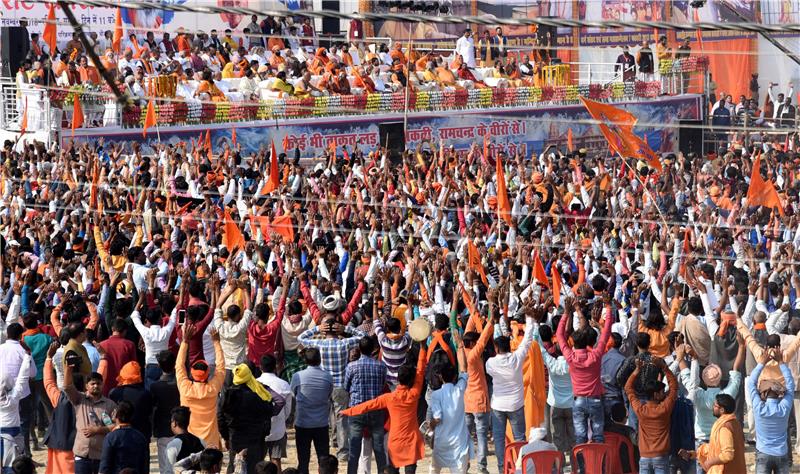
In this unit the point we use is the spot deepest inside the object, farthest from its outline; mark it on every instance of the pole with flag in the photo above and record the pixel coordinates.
(49, 34)
(116, 41)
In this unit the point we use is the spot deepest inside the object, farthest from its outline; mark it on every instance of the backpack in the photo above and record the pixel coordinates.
(436, 361)
(681, 430)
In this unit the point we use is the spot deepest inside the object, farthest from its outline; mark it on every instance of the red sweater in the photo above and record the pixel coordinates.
(119, 351)
(584, 364)
(262, 340)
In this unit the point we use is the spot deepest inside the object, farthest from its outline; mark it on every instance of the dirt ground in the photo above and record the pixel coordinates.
(423, 466)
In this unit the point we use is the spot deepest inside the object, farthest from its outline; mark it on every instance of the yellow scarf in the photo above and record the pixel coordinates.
(242, 375)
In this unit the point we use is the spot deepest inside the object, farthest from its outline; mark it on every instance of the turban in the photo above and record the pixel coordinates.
(131, 373)
(200, 371)
(243, 376)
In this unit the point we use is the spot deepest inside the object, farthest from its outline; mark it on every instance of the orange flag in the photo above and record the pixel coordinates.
(93, 188)
(233, 137)
(283, 225)
(474, 261)
(556, 284)
(23, 122)
(77, 115)
(332, 147)
(274, 175)
(49, 34)
(486, 140)
(570, 146)
(698, 32)
(233, 236)
(503, 205)
(285, 144)
(538, 270)
(149, 117)
(207, 144)
(761, 192)
(116, 41)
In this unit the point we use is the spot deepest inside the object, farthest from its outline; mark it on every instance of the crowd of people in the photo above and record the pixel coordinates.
(274, 58)
(228, 309)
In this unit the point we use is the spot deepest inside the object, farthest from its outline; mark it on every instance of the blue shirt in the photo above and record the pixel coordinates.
(772, 415)
(125, 447)
(364, 379)
(312, 388)
(703, 399)
(609, 367)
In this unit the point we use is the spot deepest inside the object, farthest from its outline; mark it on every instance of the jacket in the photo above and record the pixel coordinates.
(244, 418)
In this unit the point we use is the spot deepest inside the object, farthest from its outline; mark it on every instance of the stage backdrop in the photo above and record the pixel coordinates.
(529, 130)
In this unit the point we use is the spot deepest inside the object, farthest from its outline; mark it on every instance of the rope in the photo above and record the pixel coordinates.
(746, 27)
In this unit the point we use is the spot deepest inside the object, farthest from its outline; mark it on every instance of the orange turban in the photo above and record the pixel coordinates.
(131, 373)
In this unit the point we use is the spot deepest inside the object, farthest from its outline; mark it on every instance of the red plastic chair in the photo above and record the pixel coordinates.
(596, 458)
(512, 451)
(543, 462)
(614, 441)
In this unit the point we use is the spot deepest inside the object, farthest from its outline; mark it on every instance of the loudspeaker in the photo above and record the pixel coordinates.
(330, 26)
(14, 46)
(393, 138)
(690, 136)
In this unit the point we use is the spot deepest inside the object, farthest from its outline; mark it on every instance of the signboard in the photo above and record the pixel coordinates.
(526, 129)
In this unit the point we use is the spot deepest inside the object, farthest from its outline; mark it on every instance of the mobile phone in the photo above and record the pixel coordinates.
(181, 316)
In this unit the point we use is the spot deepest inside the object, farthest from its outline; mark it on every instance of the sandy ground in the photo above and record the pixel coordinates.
(423, 466)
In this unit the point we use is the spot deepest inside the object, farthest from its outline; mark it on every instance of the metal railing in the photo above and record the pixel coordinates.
(9, 104)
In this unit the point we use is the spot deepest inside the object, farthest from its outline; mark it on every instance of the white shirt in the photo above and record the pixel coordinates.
(9, 400)
(12, 355)
(156, 338)
(232, 338)
(139, 271)
(506, 373)
(282, 387)
(466, 48)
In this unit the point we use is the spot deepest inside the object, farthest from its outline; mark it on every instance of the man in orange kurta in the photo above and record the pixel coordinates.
(405, 446)
(533, 379)
(476, 397)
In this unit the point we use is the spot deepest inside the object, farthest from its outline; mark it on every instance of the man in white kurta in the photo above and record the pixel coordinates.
(465, 47)
(452, 448)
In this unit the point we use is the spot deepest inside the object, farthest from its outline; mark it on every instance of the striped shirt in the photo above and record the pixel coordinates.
(393, 351)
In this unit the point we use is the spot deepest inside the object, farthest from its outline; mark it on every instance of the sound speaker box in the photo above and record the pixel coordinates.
(393, 138)
(13, 49)
(690, 136)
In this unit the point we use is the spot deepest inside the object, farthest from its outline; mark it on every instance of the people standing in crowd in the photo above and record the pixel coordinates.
(465, 48)
(183, 443)
(772, 405)
(125, 447)
(313, 389)
(166, 399)
(276, 447)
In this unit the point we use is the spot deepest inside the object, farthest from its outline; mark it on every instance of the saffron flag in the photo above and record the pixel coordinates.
(207, 144)
(150, 117)
(698, 32)
(77, 115)
(285, 144)
(233, 237)
(570, 146)
(503, 205)
(762, 192)
(486, 139)
(474, 261)
(556, 284)
(538, 270)
(116, 41)
(49, 34)
(23, 122)
(274, 178)
(283, 225)
(233, 137)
